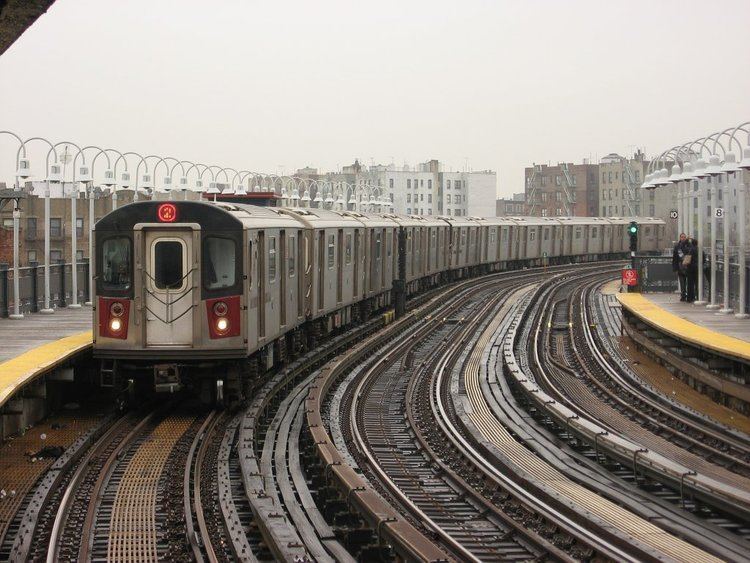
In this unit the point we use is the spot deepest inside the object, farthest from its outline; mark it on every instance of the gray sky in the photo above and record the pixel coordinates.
(262, 84)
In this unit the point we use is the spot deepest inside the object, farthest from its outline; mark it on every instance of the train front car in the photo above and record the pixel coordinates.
(168, 290)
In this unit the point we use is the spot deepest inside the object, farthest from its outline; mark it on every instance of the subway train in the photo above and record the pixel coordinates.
(206, 295)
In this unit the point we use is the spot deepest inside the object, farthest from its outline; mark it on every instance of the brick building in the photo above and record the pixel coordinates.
(564, 190)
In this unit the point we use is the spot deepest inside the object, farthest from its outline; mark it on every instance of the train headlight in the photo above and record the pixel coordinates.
(115, 325)
(222, 324)
(116, 309)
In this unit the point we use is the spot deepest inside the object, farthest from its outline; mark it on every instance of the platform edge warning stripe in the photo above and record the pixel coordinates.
(682, 329)
(18, 371)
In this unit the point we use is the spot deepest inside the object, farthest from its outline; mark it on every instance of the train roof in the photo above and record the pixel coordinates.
(320, 218)
(369, 219)
(210, 216)
(250, 214)
(416, 220)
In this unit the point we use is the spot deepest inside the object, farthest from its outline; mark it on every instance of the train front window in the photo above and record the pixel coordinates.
(168, 264)
(219, 266)
(116, 263)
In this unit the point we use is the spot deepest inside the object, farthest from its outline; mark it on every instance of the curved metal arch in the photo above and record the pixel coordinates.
(741, 127)
(23, 146)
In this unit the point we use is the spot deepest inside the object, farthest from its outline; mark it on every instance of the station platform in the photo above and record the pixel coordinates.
(707, 350)
(38, 343)
(703, 328)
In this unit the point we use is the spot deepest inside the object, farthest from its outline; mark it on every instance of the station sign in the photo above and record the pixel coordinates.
(629, 277)
(673, 214)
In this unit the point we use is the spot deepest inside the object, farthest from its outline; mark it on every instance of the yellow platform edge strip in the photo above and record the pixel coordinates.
(682, 329)
(17, 372)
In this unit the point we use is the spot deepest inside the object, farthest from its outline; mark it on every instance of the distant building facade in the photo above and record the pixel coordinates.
(564, 190)
(427, 189)
(511, 207)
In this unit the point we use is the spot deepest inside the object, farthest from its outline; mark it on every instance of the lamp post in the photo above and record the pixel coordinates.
(92, 216)
(20, 173)
(57, 171)
(742, 194)
(125, 178)
(73, 229)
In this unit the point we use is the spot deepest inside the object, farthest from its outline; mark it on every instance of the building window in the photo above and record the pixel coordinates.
(637, 175)
(544, 212)
(408, 210)
(609, 177)
(574, 179)
(616, 174)
(558, 212)
(31, 256)
(55, 227)
(604, 177)
(79, 255)
(429, 198)
(55, 256)
(448, 184)
(7, 223)
(31, 228)
(457, 184)
(429, 184)
(421, 197)
(557, 180)
(408, 184)
(390, 183)
(456, 199)
(558, 196)
(79, 227)
(604, 211)
(408, 198)
(544, 197)
(429, 211)
(421, 183)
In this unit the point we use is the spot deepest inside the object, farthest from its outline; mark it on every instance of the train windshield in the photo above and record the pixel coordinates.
(220, 263)
(168, 264)
(116, 264)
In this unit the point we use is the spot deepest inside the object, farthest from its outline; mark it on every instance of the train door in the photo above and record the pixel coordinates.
(321, 269)
(169, 284)
(340, 266)
(282, 277)
(356, 262)
(262, 284)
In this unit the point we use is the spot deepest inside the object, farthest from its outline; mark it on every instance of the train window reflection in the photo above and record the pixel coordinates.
(168, 264)
(116, 264)
(220, 263)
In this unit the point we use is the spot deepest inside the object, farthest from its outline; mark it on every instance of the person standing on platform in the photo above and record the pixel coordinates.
(690, 260)
(678, 253)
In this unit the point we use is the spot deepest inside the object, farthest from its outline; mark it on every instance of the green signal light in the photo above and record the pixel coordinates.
(633, 229)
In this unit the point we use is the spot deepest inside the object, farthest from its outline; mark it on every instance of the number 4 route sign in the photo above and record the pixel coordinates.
(629, 277)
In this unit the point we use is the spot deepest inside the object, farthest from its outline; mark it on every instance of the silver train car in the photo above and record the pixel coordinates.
(181, 285)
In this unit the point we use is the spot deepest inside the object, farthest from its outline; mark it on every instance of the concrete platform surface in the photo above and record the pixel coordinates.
(35, 329)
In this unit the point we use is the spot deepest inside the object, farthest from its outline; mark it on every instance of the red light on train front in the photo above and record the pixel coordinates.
(223, 316)
(113, 317)
(167, 213)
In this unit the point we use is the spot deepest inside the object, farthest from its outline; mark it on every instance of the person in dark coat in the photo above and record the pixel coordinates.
(678, 253)
(691, 269)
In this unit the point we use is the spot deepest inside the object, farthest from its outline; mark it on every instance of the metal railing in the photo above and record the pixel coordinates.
(31, 286)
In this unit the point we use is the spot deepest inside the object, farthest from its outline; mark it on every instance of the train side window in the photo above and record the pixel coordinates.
(348, 249)
(292, 249)
(219, 267)
(389, 243)
(116, 263)
(331, 250)
(647, 230)
(578, 232)
(546, 234)
(250, 264)
(593, 232)
(505, 234)
(272, 259)
(377, 246)
(532, 234)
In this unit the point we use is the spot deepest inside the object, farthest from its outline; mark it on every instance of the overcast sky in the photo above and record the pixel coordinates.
(259, 85)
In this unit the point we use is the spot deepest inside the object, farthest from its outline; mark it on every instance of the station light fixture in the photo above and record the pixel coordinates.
(730, 163)
(24, 168)
(199, 185)
(699, 170)
(745, 162)
(241, 190)
(125, 179)
(146, 182)
(305, 197)
(183, 183)
(109, 178)
(714, 165)
(84, 173)
(167, 183)
(212, 188)
(55, 173)
(676, 175)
